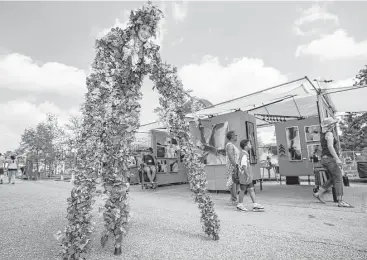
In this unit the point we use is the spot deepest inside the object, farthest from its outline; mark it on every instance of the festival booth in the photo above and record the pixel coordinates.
(292, 108)
(170, 167)
(295, 109)
(209, 136)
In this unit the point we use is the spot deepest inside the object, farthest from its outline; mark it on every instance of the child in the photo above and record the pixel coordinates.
(246, 178)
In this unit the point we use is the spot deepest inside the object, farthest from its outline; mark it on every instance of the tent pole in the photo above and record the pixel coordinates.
(309, 81)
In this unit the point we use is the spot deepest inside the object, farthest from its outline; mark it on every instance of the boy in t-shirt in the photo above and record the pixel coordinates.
(246, 178)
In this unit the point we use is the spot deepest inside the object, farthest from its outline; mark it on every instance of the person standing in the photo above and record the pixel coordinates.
(246, 177)
(331, 162)
(2, 167)
(233, 154)
(12, 168)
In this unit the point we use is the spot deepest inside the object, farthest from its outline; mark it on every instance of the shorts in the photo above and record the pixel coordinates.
(1, 171)
(244, 187)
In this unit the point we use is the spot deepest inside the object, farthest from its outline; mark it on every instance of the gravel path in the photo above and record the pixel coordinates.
(165, 225)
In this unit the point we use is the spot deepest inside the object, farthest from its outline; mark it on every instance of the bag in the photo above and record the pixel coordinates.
(235, 177)
(345, 178)
(346, 181)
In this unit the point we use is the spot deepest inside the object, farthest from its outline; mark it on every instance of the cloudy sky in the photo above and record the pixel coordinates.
(223, 50)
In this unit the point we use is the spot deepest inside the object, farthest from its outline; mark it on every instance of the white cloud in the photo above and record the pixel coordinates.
(334, 46)
(217, 83)
(20, 72)
(179, 11)
(20, 114)
(179, 41)
(311, 15)
(348, 82)
(117, 23)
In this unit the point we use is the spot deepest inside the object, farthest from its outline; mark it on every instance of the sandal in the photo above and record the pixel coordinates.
(318, 197)
(343, 204)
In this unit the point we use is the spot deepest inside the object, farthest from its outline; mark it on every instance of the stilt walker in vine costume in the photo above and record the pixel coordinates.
(110, 121)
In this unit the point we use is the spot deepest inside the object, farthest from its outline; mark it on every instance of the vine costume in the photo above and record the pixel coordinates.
(110, 120)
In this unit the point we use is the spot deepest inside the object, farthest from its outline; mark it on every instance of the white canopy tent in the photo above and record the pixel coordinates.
(291, 100)
(288, 101)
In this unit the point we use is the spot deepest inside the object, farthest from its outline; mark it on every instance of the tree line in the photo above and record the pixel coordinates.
(49, 147)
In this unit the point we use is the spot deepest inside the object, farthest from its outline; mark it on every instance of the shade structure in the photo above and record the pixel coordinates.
(348, 99)
(294, 99)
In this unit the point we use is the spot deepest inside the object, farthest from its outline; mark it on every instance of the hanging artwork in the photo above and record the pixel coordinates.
(250, 131)
(312, 133)
(293, 143)
(210, 141)
(314, 152)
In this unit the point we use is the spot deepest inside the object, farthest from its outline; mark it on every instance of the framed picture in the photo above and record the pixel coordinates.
(210, 141)
(250, 131)
(161, 151)
(312, 133)
(293, 143)
(314, 152)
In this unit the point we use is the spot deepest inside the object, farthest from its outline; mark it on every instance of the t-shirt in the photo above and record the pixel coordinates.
(148, 159)
(12, 164)
(245, 159)
(2, 161)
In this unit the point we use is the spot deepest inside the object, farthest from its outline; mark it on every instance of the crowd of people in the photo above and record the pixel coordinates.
(10, 167)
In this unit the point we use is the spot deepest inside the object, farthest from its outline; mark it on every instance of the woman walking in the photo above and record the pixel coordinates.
(331, 162)
(233, 154)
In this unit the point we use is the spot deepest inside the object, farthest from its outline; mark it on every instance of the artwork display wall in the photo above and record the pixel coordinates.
(293, 143)
(167, 154)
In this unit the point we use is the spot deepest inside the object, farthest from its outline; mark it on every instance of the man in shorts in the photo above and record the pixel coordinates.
(246, 178)
(150, 165)
(2, 166)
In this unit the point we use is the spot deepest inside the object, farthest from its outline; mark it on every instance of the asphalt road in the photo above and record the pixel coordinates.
(165, 225)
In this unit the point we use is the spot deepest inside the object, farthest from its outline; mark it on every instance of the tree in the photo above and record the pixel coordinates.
(38, 141)
(361, 78)
(354, 131)
(353, 125)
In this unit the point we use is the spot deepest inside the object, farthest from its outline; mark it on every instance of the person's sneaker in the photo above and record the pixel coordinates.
(258, 207)
(319, 197)
(232, 201)
(240, 207)
(344, 204)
